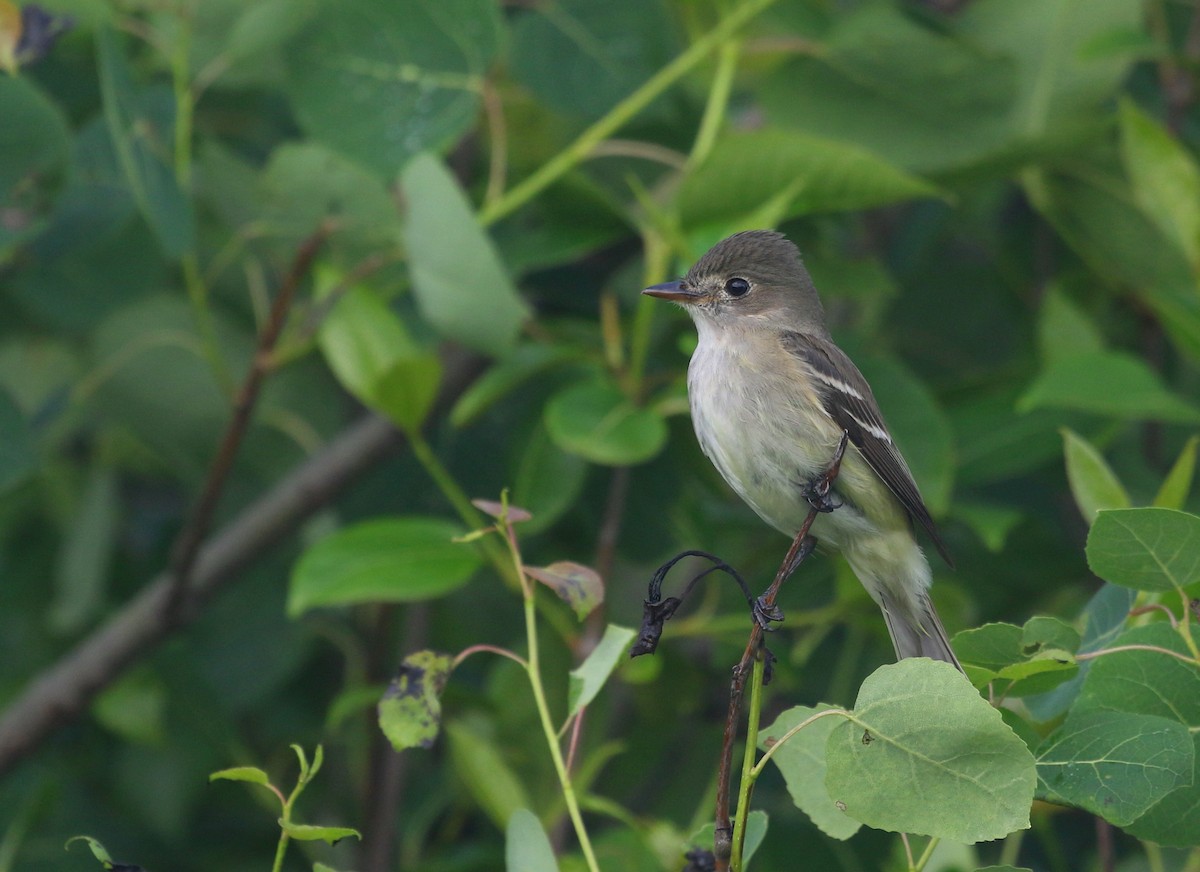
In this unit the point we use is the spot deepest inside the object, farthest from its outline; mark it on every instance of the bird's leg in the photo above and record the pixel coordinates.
(818, 490)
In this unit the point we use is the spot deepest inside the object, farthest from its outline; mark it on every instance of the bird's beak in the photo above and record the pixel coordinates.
(674, 291)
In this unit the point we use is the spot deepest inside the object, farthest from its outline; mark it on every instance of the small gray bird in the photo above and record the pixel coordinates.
(771, 396)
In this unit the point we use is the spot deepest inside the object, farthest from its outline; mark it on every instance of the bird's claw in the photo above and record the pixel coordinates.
(818, 494)
(766, 615)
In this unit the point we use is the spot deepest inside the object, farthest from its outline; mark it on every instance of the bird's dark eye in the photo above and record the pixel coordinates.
(737, 287)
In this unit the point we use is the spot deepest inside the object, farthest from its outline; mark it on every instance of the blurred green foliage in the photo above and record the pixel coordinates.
(999, 200)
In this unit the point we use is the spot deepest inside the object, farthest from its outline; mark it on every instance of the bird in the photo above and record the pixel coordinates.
(771, 396)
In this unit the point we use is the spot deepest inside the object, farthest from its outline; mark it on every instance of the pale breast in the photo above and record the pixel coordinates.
(768, 434)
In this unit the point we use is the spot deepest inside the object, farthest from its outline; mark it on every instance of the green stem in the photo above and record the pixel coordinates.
(718, 101)
(933, 843)
(1154, 858)
(620, 114)
(782, 740)
(746, 783)
(1193, 860)
(1011, 849)
(280, 851)
(458, 498)
(193, 281)
(534, 671)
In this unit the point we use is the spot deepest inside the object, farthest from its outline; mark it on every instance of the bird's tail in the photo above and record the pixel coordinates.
(918, 632)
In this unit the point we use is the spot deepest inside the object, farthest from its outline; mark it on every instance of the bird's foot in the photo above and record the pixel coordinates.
(765, 615)
(819, 494)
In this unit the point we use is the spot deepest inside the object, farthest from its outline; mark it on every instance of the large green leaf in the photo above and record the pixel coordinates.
(597, 422)
(580, 57)
(963, 775)
(1165, 178)
(394, 560)
(306, 183)
(460, 284)
(1093, 483)
(1114, 764)
(1146, 548)
(1091, 205)
(801, 761)
(919, 98)
(1107, 383)
(1059, 75)
(381, 80)
(370, 352)
(745, 170)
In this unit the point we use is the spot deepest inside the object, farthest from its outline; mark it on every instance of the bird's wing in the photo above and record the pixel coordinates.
(847, 399)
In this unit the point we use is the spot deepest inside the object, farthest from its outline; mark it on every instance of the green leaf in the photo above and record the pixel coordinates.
(381, 81)
(580, 58)
(1114, 764)
(590, 676)
(18, 455)
(595, 421)
(1093, 483)
(918, 97)
(746, 170)
(410, 712)
(306, 183)
(974, 777)
(1017, 661)
(135, 707)
(484, 771)
(1058, 78)
(801, 762)
(1064, 329)
(1003, 869)
(547, 480)
(1103, 619)
(461, 286)
(526, 845)
(98, 850)
(1146, 548)
(1165, 178)
(141, 136)
(1044, 633)
(311, 833)
(1177, 485)
(407, 559)
(33, 147)
(1107, 383)
(504, 376)
(82, 566)
(992, 523)
(1092, 207)
(250, 774)
(578, 586)
(371, 354)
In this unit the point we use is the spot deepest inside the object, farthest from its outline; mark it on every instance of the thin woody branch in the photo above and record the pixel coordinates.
(62, 692)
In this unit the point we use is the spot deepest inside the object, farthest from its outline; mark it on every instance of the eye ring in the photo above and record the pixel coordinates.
(737, 287)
